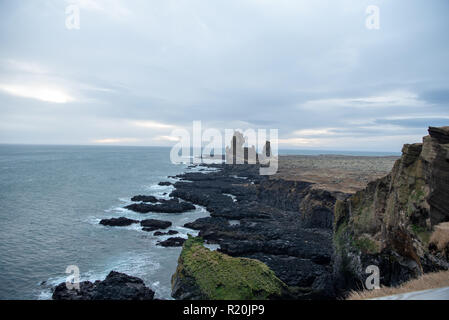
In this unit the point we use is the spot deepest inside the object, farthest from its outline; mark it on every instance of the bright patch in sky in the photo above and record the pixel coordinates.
(115, 140)
(46, 94)
(152, 125)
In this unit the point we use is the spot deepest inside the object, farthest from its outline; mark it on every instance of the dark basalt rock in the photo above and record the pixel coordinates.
(153, 224)
(170, 232)
(172, 242)
(378, 225)
(165, 183)
(208, 223)
(141, 198)
(116, 286)
(441, 134)
(166, 206)
(286, 225)
(118, 222)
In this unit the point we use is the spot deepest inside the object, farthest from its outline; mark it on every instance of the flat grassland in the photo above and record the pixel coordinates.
(346, 174)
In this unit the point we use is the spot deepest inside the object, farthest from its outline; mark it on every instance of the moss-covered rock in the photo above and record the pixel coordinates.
(206, 274)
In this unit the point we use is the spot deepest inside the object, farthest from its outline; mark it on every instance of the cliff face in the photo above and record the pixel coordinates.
(389, 222)
(315, 207)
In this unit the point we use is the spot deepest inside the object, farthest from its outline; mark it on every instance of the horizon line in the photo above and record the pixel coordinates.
(157, 146)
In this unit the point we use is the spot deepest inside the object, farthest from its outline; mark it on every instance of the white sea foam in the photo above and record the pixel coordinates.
(237, 177)
(155, 266)
(162, 192)
(133, 264)
(212, 246)
(234, 198)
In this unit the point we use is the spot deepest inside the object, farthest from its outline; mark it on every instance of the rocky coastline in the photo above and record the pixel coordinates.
(314, 241)
(286, 225)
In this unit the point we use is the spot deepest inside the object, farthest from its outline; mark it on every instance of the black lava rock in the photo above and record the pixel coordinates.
(170, 232)
(153, 224)
(116, 286)
(118, 222)
(165, 206)
(141, 198)
(172, 242)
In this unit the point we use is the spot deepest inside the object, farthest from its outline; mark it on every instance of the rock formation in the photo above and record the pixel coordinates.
(153, 224)
(116, 286)
(205, 274)
(118, 222)
(166, 206)
(141, 198)
(169, 232)
(237, 153)
(268, 221)
(388, 223)
(172, 242)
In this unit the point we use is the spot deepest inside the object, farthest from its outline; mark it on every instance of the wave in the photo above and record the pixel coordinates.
(134, 264)
(156, 265)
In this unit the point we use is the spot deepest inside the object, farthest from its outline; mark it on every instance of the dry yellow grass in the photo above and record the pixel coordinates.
(440, 236)
(425, 282)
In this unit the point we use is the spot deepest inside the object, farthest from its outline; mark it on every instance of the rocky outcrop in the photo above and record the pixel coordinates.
(314, 206)
(388, 223)
(166, 206)
(118, 222)
(205, 274)
(441, 135)
(435, 157)
(169, 232)
(142, 198)
(153, 224)
(282, 233)
(116, 286)
(172, 242)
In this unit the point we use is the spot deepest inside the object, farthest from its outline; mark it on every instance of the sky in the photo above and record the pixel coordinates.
(135, 70)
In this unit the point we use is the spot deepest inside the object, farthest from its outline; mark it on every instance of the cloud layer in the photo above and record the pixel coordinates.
(136, 70)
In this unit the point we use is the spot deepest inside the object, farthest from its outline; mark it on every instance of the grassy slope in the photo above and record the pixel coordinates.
(425, 282)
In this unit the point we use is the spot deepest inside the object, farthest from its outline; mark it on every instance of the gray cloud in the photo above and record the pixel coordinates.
(291, 65)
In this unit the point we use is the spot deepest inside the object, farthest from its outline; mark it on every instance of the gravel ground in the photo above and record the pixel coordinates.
(333, 172)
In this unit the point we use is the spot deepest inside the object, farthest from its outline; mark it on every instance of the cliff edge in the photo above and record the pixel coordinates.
(388, 224)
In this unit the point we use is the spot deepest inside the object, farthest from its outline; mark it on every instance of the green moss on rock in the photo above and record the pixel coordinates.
(206, 274)
(366, 245)
(422, 233)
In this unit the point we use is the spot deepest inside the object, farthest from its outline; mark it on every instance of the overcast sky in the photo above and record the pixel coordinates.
(137, 69)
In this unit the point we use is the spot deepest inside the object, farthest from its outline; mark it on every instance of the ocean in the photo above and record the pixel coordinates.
(51, 201)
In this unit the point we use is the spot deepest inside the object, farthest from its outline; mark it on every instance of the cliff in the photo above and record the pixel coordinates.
(388, 224)
(314, 206)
